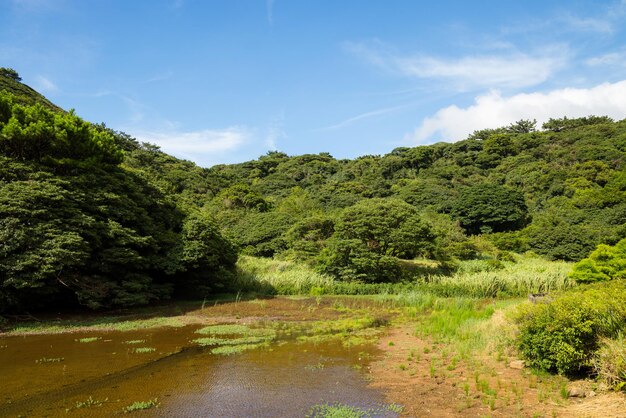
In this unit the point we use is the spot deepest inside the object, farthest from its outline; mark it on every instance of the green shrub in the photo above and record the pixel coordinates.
(605, 263)
(563, 335)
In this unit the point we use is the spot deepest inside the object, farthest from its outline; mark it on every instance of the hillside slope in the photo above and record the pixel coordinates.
(79, 227)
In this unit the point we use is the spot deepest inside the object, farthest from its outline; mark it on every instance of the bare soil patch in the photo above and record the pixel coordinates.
(429, 380)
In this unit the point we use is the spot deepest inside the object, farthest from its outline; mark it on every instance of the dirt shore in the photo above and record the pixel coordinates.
(428, 381)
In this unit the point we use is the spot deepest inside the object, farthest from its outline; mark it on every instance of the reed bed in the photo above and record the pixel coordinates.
(475, 279)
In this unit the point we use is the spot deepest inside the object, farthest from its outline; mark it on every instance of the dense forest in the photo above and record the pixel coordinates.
(90, 216)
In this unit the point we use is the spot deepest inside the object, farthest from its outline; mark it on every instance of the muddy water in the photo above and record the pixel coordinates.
(49, 375)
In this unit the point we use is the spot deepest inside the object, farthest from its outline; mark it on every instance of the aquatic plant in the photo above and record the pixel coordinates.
(138, 406)
(88, 339)
(142, 350)
(134, 342)
(224, 329)
(50, 360)
(228, 350)
(341, 410)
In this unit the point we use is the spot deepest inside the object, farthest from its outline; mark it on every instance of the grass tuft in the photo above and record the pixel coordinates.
(139, 406)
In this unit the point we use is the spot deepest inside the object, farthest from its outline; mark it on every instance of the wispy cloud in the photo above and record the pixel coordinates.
(38, 5)
(206, 147)
(610, 59)
(160, 77)
(269, 7)
(366, 115)
(604, 24)
(502, 70)
(493, 110)
(275, 131)
(45, 85)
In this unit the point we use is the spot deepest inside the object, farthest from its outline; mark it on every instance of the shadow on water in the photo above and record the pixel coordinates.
(49, 375)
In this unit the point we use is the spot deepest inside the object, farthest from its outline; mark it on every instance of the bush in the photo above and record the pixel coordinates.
(605, 263)
(564, 335)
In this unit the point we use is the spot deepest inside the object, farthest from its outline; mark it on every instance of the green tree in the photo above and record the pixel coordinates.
(486, 208)
(208, 259)
(371, 236)
(10, 73)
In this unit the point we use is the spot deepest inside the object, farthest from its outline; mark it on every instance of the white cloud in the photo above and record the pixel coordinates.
(205, 147)
(504, 70)
(492, 110)
(45, 85)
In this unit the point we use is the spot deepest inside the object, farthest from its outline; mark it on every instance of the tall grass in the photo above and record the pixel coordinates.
(528, 275)
(270, 276)
(476, 279)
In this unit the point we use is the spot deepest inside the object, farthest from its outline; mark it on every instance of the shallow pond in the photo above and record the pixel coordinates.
(102, 373)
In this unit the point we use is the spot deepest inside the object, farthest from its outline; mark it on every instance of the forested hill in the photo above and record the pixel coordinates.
(558, 191)
(78, 226)
(88, 215)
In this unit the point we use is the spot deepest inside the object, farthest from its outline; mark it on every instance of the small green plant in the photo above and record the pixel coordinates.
(143, 350)
(313, 367)
(391, 344)
(394, 407)
(432, 370)
(138, 406)
(88, 339)
(90, 402)
(134, 342)
(50, 360)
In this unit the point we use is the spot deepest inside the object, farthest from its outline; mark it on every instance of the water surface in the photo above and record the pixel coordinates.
(49, 375)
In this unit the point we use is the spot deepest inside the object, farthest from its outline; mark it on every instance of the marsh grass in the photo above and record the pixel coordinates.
(279, 277)
(473, 278)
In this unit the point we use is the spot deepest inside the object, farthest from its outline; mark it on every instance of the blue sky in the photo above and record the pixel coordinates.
(226, 81)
